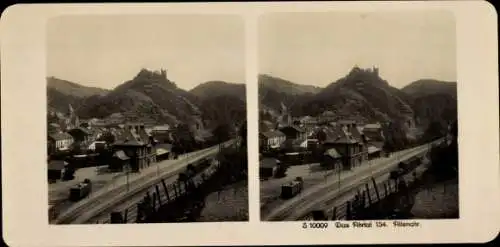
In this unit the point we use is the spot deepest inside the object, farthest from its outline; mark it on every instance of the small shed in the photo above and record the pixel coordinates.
(332, 159)
(119, 160)
(374, 152)
(98, 146)
(268, 167)
(55, 169)
(164, 151)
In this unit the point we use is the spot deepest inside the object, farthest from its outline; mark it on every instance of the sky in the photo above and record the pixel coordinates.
(319, 48)
(105, 51)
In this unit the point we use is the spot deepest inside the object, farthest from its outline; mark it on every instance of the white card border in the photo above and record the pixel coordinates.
(22, 29)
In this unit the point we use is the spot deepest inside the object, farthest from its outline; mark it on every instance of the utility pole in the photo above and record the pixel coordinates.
(340, 170)
(128, 172)
(157, 169)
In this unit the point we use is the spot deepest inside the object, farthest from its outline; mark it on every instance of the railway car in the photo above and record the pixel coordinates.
(291, 189)
(80, 190)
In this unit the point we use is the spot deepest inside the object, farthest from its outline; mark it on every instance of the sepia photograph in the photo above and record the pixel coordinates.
(358, 116)
(146, 119)
(272, 123)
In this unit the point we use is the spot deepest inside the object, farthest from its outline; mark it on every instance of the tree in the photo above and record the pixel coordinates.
(449, 114)
(222, 133)
(184, 138)
(396, 138)
(434, 130)
(321, 136)
(76, 148)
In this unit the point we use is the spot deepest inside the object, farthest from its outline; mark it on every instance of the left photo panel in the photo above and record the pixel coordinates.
(146, 119)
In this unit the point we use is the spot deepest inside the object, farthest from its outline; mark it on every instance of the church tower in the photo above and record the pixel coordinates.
(73, 121)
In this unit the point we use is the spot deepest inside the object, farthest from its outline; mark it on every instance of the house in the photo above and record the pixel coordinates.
(60, 141)
(162, 133)
(294, 145)
(84, 124)
(55, 169)
(265, 126)
(183, 137)
(308, 122)
(332, 159)
(137, 145)
(268, 167)
(271, 139)
(119, 160)
(347, 123)
(293, 132)
(349, 144)
(53, 128)
(374, 152)
(373, 132)
(164, 151)
(326, 117)
(97, 146)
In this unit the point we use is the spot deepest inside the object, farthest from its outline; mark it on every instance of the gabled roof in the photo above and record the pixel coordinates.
(356, 134)
(120, 155)
(332, 152)
(60, 136)
(130, 138)
(340, 135)
(373, 149)
(272, 133)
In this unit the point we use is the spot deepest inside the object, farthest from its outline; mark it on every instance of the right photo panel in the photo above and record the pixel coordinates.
(358, 116)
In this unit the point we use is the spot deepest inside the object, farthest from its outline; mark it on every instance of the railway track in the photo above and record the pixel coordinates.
(80, 213)
(323, 192)
(349, 186)
(132, 199)
(340, 201)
